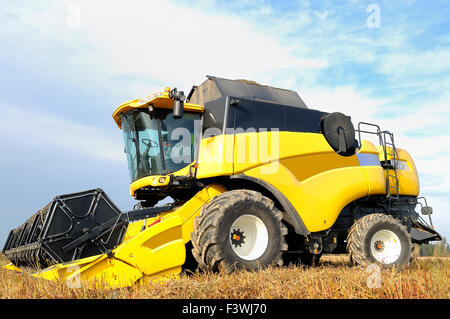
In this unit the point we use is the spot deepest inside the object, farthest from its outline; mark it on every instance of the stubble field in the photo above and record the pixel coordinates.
(333, 278)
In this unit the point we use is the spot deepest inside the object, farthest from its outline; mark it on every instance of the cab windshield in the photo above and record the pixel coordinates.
(158, 144)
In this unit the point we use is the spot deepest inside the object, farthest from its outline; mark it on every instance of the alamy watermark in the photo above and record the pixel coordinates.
(74, 280)
(249, 146)
(374, 19)
(374, 279)
(73, 20)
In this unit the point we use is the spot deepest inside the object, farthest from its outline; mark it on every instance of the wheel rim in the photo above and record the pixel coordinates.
(385, 246)
(249, 237)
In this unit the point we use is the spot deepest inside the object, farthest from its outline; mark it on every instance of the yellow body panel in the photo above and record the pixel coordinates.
(10, 266)
(186, 213)
(193, 207)
(375, 177)
(136, 227)
(368, 148)
(306, 153)
(92, 272)
(320, 198)
(155, 180)
(155, 249)
(317, 181)
(408, 180)
(216, 156)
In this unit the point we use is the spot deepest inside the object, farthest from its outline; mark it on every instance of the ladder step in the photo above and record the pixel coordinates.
(387, 143)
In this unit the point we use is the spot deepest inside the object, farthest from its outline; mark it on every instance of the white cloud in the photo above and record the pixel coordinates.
(422, 63)
(346, 99)
(43, 131)
(168, 43)
(182, 45)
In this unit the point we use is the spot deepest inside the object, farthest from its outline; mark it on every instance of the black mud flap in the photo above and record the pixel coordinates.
(422, 234)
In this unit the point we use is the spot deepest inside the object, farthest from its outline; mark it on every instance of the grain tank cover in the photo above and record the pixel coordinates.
(214, 88)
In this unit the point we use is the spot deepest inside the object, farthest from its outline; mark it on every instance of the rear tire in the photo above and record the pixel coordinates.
(239, 229)
(379, 238)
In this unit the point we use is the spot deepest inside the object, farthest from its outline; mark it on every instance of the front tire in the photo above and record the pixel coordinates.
(379, 238)
(239, 229)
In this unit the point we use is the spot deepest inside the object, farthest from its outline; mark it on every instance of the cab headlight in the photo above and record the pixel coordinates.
(402, 166)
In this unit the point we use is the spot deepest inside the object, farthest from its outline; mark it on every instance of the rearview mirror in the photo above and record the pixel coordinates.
(178, 103)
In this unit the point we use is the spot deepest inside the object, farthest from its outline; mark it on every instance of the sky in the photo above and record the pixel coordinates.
(66, 65)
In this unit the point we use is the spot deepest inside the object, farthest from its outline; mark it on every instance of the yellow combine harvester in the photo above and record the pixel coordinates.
(256, 179)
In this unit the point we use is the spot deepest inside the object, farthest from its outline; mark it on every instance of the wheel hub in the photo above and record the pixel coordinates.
(379, 245)
(254, 243)
(386, 247)
(237, 237)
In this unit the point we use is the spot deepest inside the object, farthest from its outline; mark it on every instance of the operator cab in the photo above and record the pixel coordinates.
(156, 143)
(160, 135)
